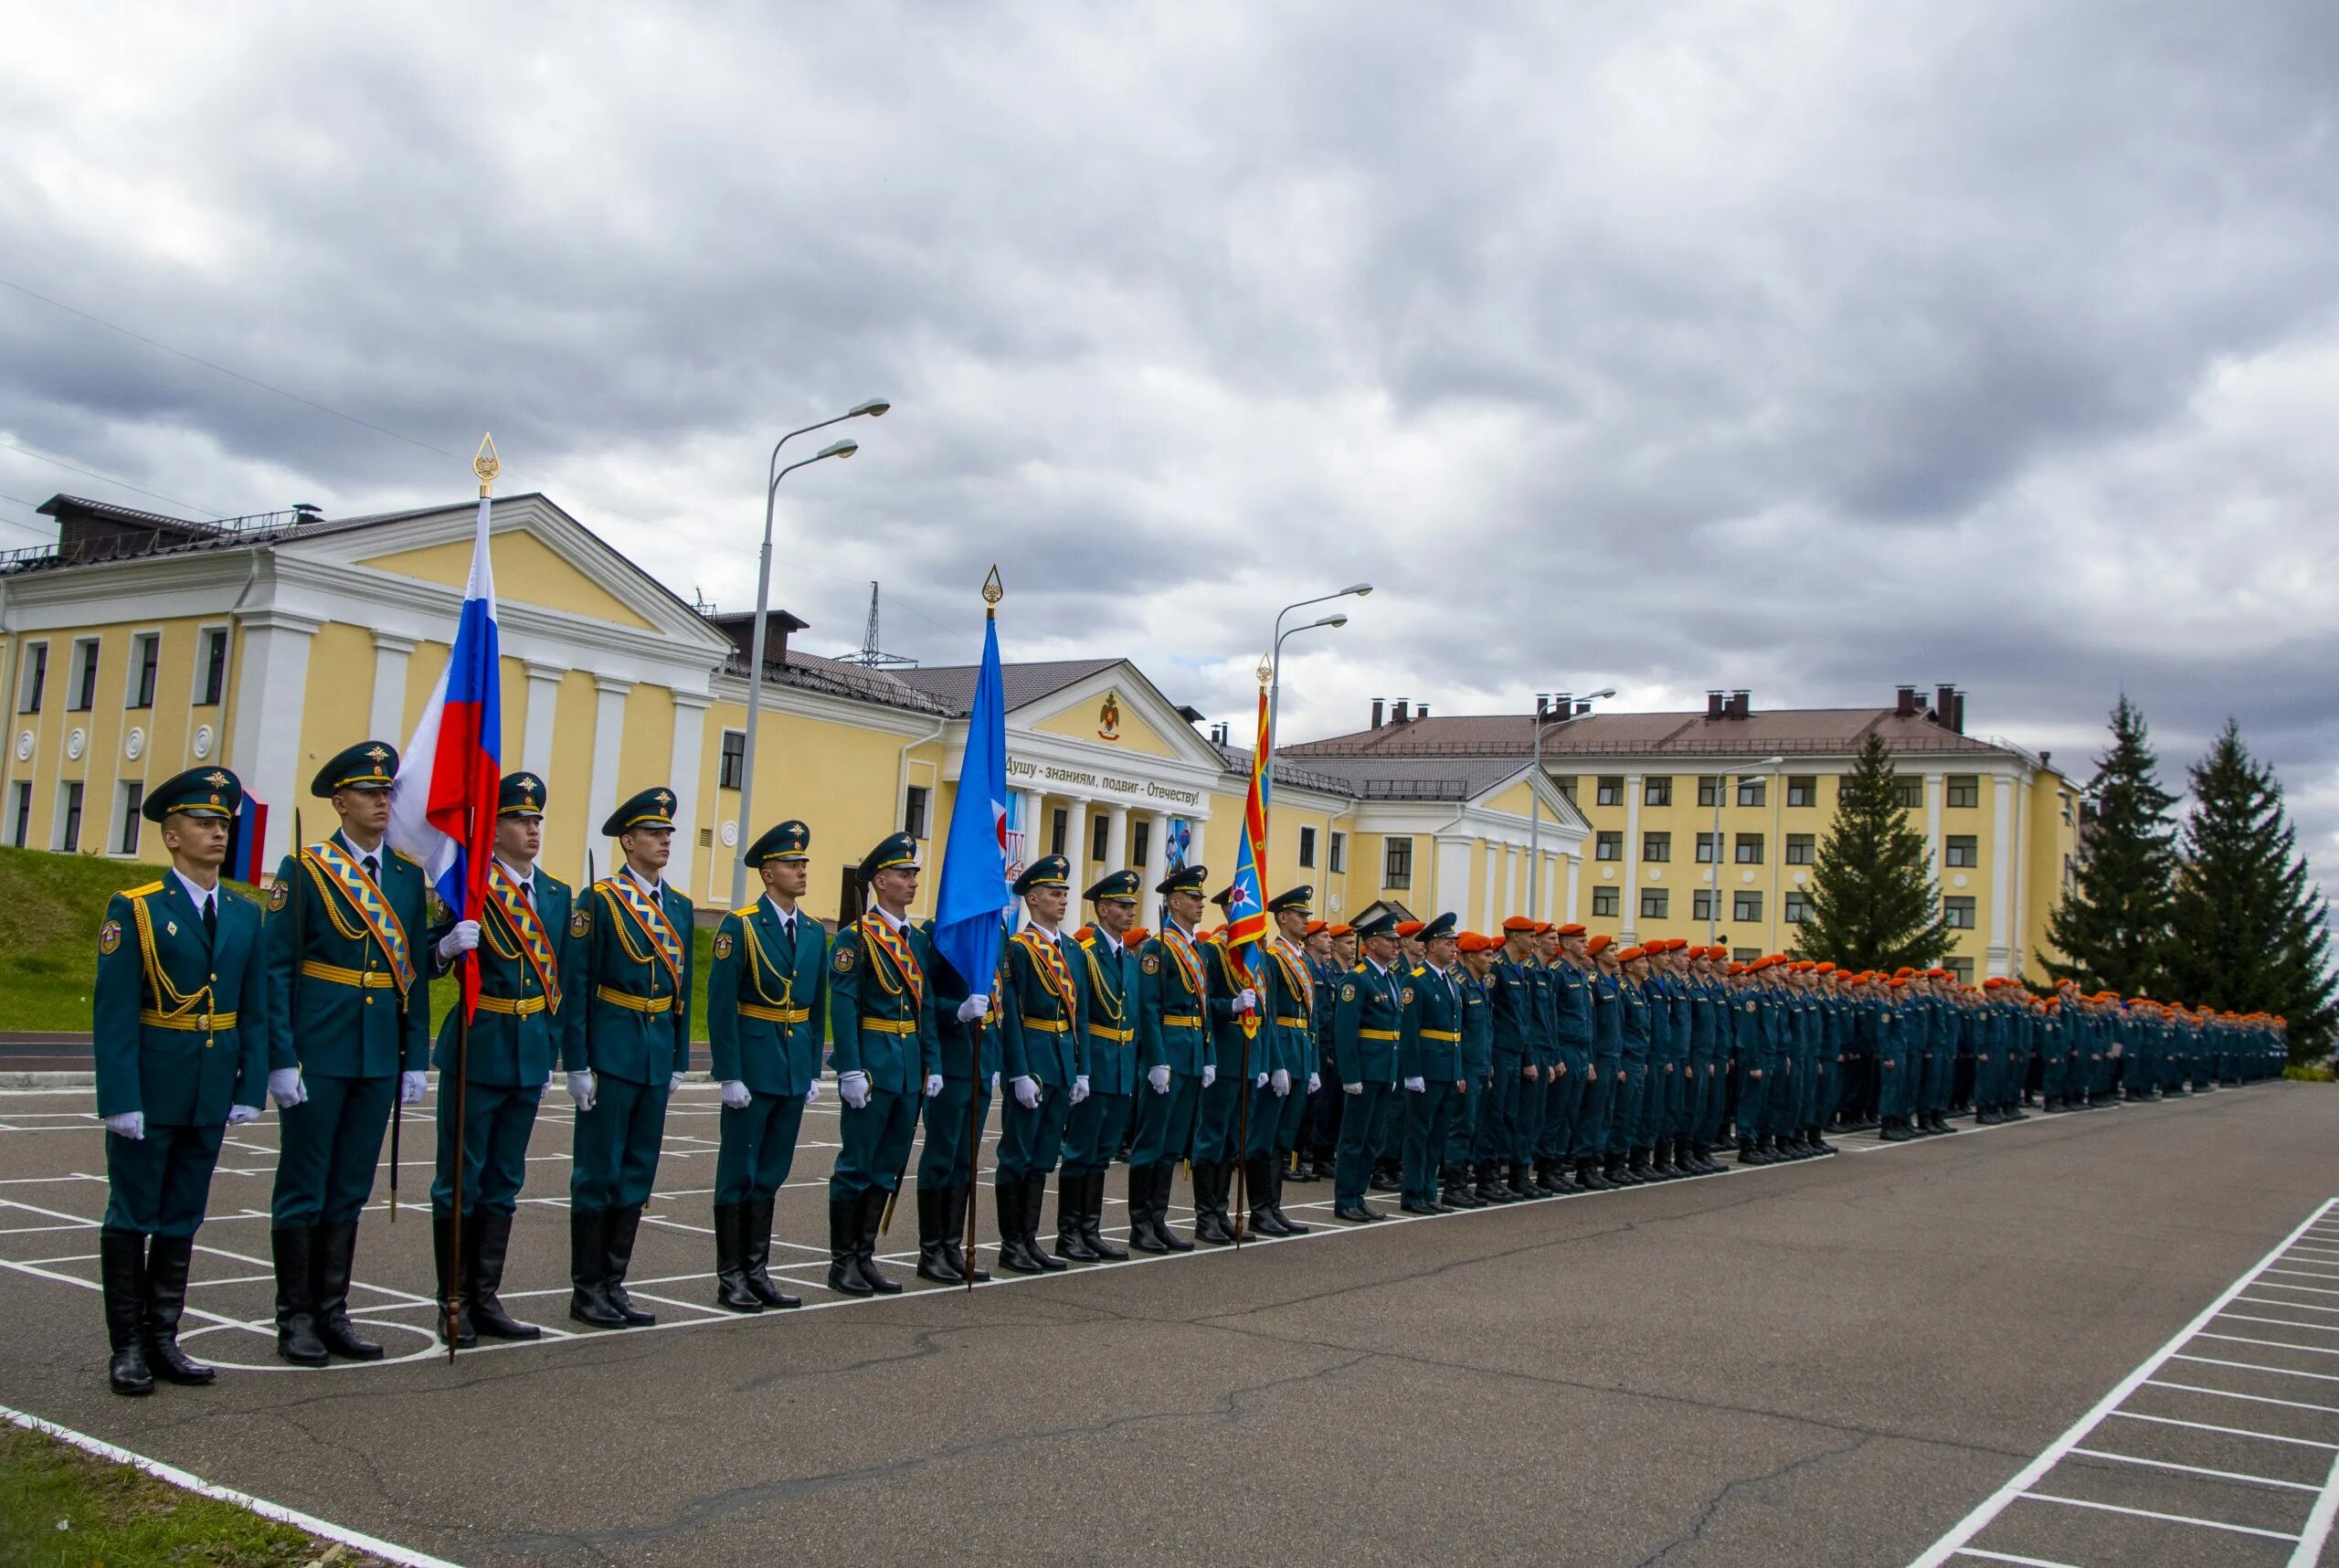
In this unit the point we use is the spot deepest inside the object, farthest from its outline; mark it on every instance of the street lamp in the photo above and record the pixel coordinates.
(1721, 788)
(874, 408)
(1535, 810)
(1274, 660)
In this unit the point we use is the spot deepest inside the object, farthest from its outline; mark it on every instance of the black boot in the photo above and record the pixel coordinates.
(1454, 1190)
(332, 1255)
(1071, 1239)
(1035, 1197)
(1492, 1188)
(1259, 1173)
(1660, 1161)
(1165, 1177)
(1516, 1181)
(1141, 1216)
(1210, 1204)
(933, 1236)
(1291, 1227)
(755, 1255)
(1012, 1253)
(486, 1239)
(453, 1280)
(1588, 1178)
(296, 1310)
(166, 1269)
(953, 1235)
(1636, 1166)
(588, 1255)
(873, 1218)
(121, 1271)
(844, 1248)
(1092, 1218)
(731, 1292)
(617, 1256)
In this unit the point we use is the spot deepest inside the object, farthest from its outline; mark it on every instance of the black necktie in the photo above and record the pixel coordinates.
(788, 930)
(373, 866)
(211, 916)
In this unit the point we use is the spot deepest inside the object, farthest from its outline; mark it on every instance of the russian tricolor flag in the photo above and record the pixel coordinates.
(442, 808)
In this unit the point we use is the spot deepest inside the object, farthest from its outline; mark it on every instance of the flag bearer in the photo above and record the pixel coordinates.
(1174, 1050)
(1044, 1052)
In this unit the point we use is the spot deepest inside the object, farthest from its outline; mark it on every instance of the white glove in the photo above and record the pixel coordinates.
(812, 1095)
(1416, 1086)
(411, 1086)
(551, 1073)
(462, 938)
(1160, 1078)
(1027, 1093)
(284, 1086)
(1351, 1088)
(582, 1089)
(240, 1116)
(1261, 1082)
(1315, 1082)
(974, 1007)
(854, 1088)
(932, 1085)
(1247, 1001)
(1210, 1074)
(1281, 1081)
(734, 1094)
(130, 1125)
(1080, 1088)
(674, 1083)
(994, 1083)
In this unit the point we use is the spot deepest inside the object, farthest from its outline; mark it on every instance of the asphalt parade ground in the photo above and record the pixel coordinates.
(2090, 1341)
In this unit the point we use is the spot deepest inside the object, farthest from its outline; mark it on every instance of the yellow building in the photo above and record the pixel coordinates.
(140, 645)
(1706, 825)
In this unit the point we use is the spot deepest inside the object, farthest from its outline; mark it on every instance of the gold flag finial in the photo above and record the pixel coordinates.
(1266, 671)
(993, 590)
(485, 465)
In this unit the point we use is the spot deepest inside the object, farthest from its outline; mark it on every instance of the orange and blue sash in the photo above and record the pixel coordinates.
(529, 927)
(881, 936)
(654, 925)
(335, 867)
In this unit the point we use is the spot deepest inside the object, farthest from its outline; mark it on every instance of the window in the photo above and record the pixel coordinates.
(1911, 791)
(1959, 912)
(914, 810)
(1961, 790)
(1656, 793)
(1397, 864)
(1141, 842)
(1338, 857)
(1749, 849)
(36, 677)
(1961, 849)
(1657, 846)
(1100, 838)
(212, 661)
(1960, 969)
(1702, 904)
(146, 659)
(1803, 849)
(1792, 907)
(20, 818)
(1746, 955)
(2064, 797)
(1709, 788)
(732, 772)
(1306, 847)
(1709, 848)
(1746, 907)
(1566, 786)
(1059, 829)
(1653, 902)
(1803, 789)
(1754, 792)
(84, 696)
(69, 818)
(133, 795)
(1611, 791)
(1608, 846)
(1603, 903)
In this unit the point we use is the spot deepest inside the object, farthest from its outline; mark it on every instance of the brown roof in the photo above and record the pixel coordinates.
(1793, 732)
(954, 684)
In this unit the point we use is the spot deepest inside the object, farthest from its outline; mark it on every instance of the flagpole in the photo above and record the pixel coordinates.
(486, 465)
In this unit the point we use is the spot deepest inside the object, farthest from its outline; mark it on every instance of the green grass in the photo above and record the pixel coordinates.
(60, 1507)
(2309, 1072)
(52, 904)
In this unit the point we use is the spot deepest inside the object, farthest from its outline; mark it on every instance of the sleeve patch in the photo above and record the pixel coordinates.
(110, 935)
(1348, 993)
(723, 944)
(1153, 963)
(844, 959)
(1406, 996)
(580, 922)
(279, 893)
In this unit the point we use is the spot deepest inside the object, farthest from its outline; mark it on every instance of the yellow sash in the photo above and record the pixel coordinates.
(647, 915)
(1048, 958)
(878, 934)
(521, 914)
(331, 865)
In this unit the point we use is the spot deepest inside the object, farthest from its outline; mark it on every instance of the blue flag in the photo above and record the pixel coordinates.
(969, 912)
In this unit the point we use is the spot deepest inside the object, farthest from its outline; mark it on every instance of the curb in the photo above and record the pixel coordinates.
(49, 1080)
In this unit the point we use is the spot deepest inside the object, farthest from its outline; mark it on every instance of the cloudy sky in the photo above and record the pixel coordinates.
(1808, 348)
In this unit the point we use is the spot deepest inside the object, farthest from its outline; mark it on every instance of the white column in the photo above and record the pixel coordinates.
(1451, 890)
(2001, 872)
(1510, 882)
(544, 702)
(1632, 898)
(271, 685)
(1932, 819)
(1032, 812)
(388, 720)
(1487, 902)
(608, 743)
(1156, 847)
(1550, 871)
(1117, 839)
(1075, 850)
(681, 777)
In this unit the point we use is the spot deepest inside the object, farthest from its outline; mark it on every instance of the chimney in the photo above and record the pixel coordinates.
(1397, 714)
(1422, 712)
(1904, 702)
(1218, 733)
(1376, 713)
(1713, 705)
(1957, 712)
(1739, 706)
(1563, 705)
(1542, 704)
(1583, 706)
(1944, 705)
(2046, 759)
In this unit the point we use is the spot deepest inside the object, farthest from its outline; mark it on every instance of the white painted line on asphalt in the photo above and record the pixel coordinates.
(2313, 1289)
(2197, 1470)
(2010, 1557)
(2228, 1431)
(2285, 1322)
(2318, 1523)
(2270, 1344)
(2286, 1306)
(2307, 1273)
(2020, 1483)
(2170, 1518)
(171, 1474)
(2258, 1367)
(2252, 1398)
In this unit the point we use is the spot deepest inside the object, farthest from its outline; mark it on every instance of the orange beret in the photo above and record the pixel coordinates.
(1629, 954)
(1571, 929)
(1903, 972)
(1718, 951)
(1600, 944)
(1315, 925)
(1936, 973)
(1083, 932)
(1822, 968)
(1408, 927)
(1738, 969)
(1339, 931)
(1898, 982)
(1135, 937)
(1758, 966)
(1518, 922)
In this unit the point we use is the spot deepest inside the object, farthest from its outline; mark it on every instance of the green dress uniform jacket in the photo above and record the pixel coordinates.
(1431, 1049)
(1041, 1037)
(1174, 1007)
(337, 1006)
(767, 1000)
(637, 1017)
(519, 1035)
(1290, 1001)
(179, 1017)
(881, 1019)
(1108, 976)
(1370, 1022)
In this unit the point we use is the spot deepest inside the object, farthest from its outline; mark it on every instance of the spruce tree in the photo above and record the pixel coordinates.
(2112, 929)
(2252, 929)
(1874, 904)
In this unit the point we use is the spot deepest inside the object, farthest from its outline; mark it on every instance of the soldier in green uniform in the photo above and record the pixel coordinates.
(966, 1026)
(1218, 1122)
(349, 1033)
(1174, 1050)
(527, 1028)
(1044, 1055)
(1282, 1071)
(1370, 1023)
(765, 994)
(1429, 1066)
(179, 1034)
(639, 964)
(1109, 977)
(887, 1056)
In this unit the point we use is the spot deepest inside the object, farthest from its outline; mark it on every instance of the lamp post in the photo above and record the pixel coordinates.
(1535, 809)
(774, 474)
(1721, 788)
(1274, 660)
